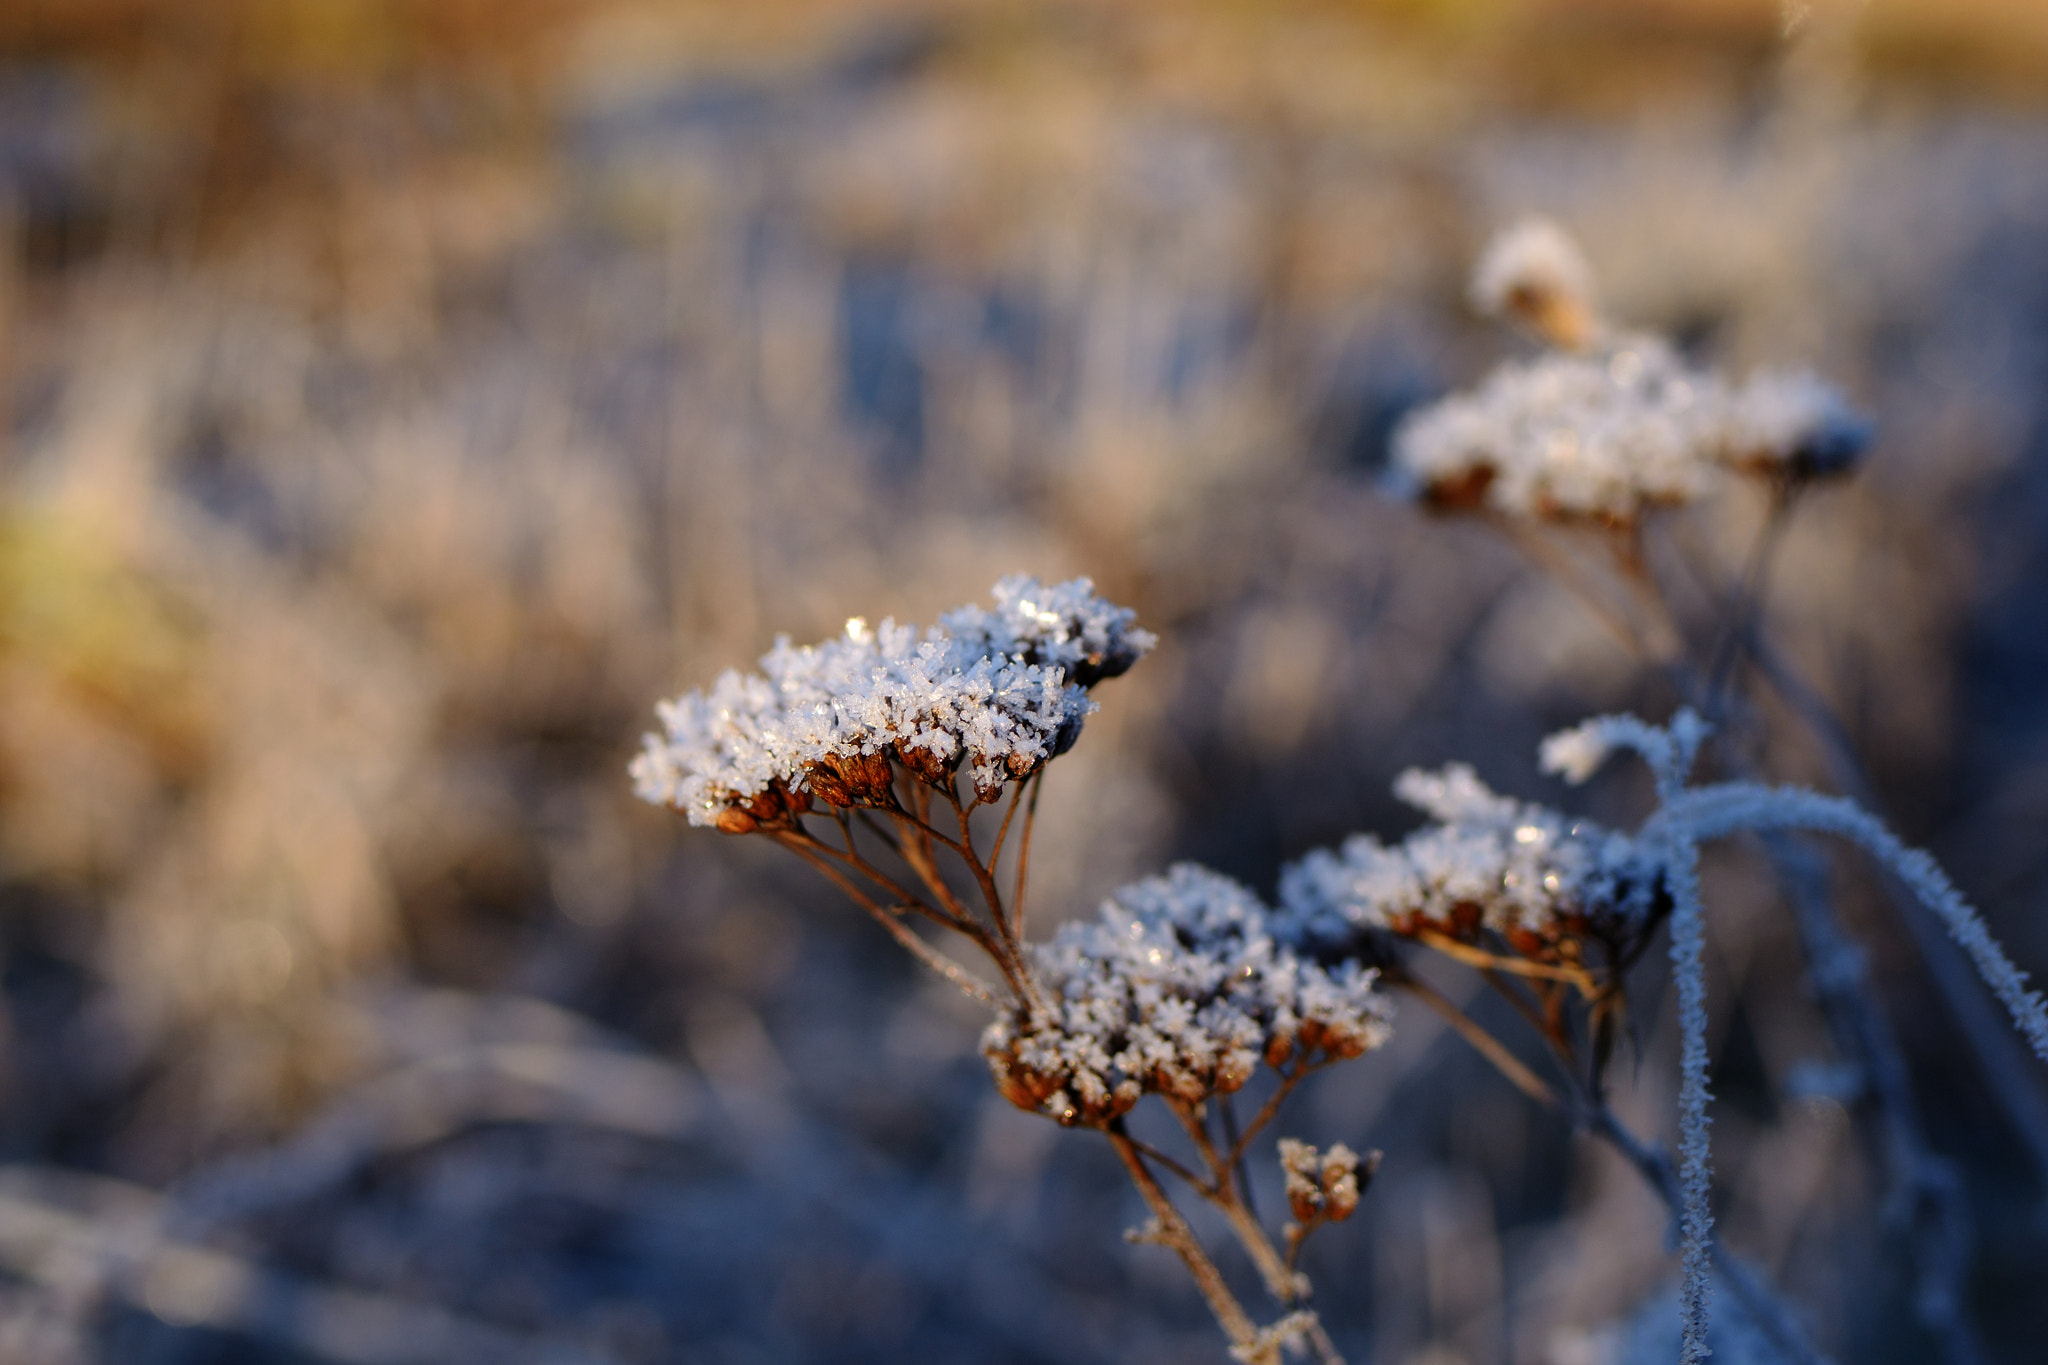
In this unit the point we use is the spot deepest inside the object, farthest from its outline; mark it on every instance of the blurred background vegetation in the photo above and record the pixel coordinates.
(397, 398)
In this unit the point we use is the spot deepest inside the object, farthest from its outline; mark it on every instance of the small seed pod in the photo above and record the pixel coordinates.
(1339, 1183)
(927, 764)
(853, 779)
(737, 820)
(1303, 1172)
(1234, 1070)
(1461, 492)
(1278, 1049)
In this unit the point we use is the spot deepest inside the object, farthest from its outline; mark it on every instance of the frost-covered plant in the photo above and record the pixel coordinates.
(1179, 988)
(1611, 423)
(1569, 453)
(1186, 984)
(1534, 880)
(1183, 986)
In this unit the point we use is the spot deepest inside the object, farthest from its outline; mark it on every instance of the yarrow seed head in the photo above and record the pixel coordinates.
(1612, 424)
(995, 692)
(1538, 880)
(1179, 987)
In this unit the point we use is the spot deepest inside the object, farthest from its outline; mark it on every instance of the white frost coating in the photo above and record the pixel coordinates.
(1063, 626)
(999, 691)
(1464, 861)
(1521, 869)
(1178, 987)
(1577, 753)
(1704, 813)
(1611, 423)
(1695, 1170)
(1599, 435)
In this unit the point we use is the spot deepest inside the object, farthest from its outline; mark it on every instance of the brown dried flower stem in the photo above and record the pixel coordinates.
(1172, 1230)
(1271, 1108)
(1221, 1191)
(889, 918)
(1488, 1046)
(1520, 966)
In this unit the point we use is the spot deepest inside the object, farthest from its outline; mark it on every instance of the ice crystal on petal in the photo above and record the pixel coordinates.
(1178, 987)
(998, 693)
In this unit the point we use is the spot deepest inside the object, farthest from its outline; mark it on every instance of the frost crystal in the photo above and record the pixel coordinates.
(1179, 987)
(999, 692)
(1486, 863)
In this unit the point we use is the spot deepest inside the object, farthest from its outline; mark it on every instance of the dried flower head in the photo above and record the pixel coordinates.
(1180, 988)
(1609, 434)
(1611, 424)
(1532, 272)
(996, 692)
(1535, 880)
(1323, 1186)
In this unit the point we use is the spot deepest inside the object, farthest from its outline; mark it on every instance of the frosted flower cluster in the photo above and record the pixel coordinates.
(997, 692)
(1179, 987)
(1611, 423)
(1486, 863)
(1608, 434)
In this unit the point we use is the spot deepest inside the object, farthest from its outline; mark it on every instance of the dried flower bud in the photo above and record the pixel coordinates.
(1339, 1182)
(1303, 1172)
(733, 820)
(1535, 274)
(927, 764)
(852, 779)
(1324, 1187)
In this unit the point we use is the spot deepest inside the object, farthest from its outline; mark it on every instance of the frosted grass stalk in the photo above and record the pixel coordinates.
(1711, 812)
(1695, 1169)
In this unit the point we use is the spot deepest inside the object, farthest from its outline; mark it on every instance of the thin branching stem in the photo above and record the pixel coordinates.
(1222, 1193)
(1170, 1229)
(995, 854)
(1271, 1108)
(1037, 780)
(1488, 1046)
(890, 919)
(803, 839)
(1747, 608)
